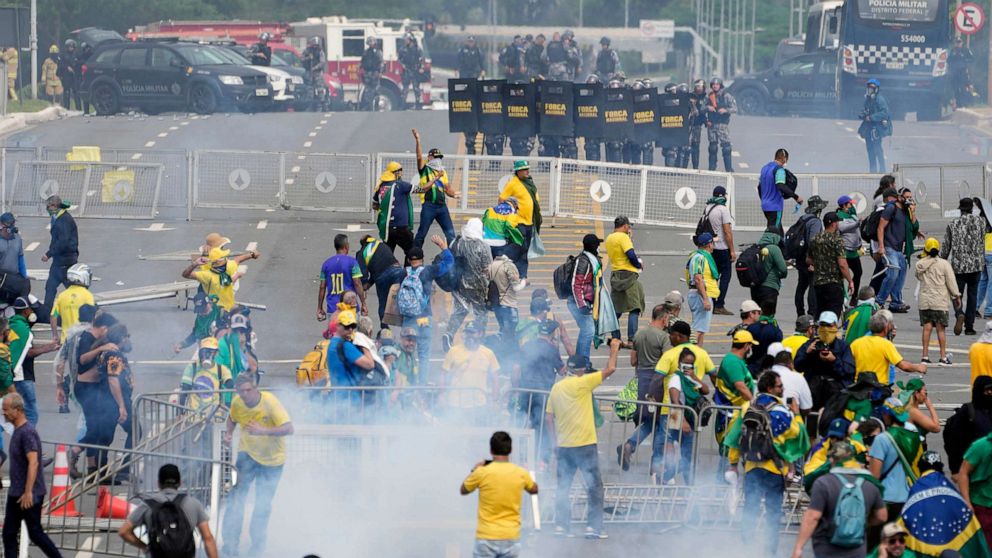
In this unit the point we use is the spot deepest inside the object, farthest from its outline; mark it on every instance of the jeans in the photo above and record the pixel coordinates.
(424, 335)
(632, 319)
(534, 406)
(57, 275)
(722, 259)
(430, 212)
(485, 548)
(385, 282)
(266, 480)
(894, 280)
(32, 518)
(984, 299)
(968, 287)
(585, 460)
(460, 307)
(773, 222)
(681, 462)
(647, 421)
(100, 412)
(876, 280)
(507, 318)
(876, 158)
(521, 262)
(587, 328)
(758, 484)
(26, 389)
(804, 289)
(402, 237)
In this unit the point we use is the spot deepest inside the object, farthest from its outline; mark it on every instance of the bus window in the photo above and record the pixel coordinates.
(353, 43)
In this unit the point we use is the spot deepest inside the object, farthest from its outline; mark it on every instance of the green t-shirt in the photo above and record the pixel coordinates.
(907, 553)
(733, 369)
(979, 455)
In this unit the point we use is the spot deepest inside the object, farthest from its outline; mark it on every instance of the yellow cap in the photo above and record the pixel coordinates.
(931, 244)
(387, 177)
(393, 166)
(390, 173)
(209, 343)
(744, 336)
(218, 253)
(347, 318)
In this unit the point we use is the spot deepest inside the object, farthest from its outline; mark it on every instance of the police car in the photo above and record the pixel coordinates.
(157, 76)
(803, 84)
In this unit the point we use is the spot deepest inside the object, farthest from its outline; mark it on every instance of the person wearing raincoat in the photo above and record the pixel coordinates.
(590, 303)
(472, 260)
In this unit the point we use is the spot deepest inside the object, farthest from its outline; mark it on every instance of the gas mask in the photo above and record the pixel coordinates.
(207, 358)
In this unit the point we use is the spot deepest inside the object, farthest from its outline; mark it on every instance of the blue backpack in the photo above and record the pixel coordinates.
(849, 515)
(411, 300)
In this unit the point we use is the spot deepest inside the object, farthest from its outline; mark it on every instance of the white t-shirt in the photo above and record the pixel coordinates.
(794, 385)
(720, 214)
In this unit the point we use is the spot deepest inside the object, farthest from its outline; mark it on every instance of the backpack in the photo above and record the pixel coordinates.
(794, 243)
(411, 300)
(756, 443)
(375, 377)
(704, 225)
(849, 514)
(869, 227)
(451, 280)
(562, 278)
(312, 370)
(492, 296)
(625, 408)
(169, 533)
(750, 269)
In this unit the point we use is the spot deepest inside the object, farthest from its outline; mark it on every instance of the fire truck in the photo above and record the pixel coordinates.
(345, 41)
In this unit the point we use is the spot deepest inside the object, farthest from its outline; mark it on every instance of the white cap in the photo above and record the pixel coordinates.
(827, 318)
(776, 348)
(750, 306)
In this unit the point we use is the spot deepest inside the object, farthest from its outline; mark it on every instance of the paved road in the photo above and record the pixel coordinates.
(293, 244)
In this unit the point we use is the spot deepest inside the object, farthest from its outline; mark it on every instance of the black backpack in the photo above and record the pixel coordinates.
(750, 269)
(562, 278)
(450, 281)
(704, 225)
(169, 533)
(794, 243)
(757, 441)
(869, 227)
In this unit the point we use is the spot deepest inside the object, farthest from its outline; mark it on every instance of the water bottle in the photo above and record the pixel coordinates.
(797, 208)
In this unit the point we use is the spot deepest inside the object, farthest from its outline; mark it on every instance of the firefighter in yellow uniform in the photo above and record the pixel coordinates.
(50, 75)
(10, 59)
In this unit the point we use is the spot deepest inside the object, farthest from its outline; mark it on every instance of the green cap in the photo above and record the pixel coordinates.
(909, 388)
(520, 165)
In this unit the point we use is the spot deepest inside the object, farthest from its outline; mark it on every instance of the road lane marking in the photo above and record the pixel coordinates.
(312, 134)
(262, 224)
(848, 129)
(318, 127)
(300, 157)
(184, 123)
(735, 153)
(155, 227)
(164, 135)
(295, 169)
(150, 144)
(173, 128)
(307, 143)
(744, 165)
(32, 247)
(290, 181)
(252, 246)
(136, 156)
(323, 122)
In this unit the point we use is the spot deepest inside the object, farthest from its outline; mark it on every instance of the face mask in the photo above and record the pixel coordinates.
(32, 318)
(51, 212)
(207, 363)
(686, 368)
(827, 333)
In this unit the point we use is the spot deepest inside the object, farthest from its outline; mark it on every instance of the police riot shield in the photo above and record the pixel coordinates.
(618, 123)
(463, 103)
(645, 114)
(521, 114)
(588, 109)
(673, 119)
(556, 108)
(492, 111)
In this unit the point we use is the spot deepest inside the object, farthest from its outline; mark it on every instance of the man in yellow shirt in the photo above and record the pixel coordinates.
(472, 369)
(980, 355)
(522, 188)
(625, 288)
(499, 483)
(875, 353)
(704, 284)
(570, 416)
(65, 311)
(261, 454)
(805, 330)
(219, 278)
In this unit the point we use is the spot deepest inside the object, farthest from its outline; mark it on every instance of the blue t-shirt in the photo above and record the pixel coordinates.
(401, 208)
(895, 487)
(771, 198)
(343, 374)
(25, 440)
(339, 272)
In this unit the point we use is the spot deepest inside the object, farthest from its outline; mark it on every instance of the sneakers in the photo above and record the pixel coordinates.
(946, 361)
(899, 309)
(594, 534)
(562, 532)
(925, 360)
(446, 342)
(722, 311)
(970, 332)
(624, 452)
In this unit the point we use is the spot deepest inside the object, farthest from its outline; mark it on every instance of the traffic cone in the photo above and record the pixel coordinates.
(111, 507)
(57, 504)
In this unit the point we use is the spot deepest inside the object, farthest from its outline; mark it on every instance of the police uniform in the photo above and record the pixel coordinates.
(371, 65)
(511, 60)
(607, 64)
(67, 74)
(261, 54)
(558, 64)
(10, 59)
(410, 58)
(574, 56)
(718, 127)
(469, 62)
(537, 61)
(690, 152)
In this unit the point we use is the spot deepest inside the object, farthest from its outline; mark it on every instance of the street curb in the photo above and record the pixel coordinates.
(20, 120)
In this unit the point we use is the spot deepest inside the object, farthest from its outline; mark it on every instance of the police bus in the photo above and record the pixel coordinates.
(902, 43)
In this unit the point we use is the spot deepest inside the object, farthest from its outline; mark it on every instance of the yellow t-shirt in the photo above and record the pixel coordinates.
(617, 245)
(668, 364)
(980, 357)
(67, 305)
(211, 285)
(700, 265)
(874, 354)
(988, 243)
(473, 370)
(267, 450)
(500, 485)
(793, 342)
(525, 205)
(571, 403)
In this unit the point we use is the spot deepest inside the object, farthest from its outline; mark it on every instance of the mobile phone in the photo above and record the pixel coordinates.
(790, 400)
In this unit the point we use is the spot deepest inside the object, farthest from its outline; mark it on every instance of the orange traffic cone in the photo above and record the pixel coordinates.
(111, 507)
(57, 504)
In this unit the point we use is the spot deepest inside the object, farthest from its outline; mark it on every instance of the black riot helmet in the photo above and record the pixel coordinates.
(699, 84)
(716, 81)
(670, 87)
(593, 78)
(605, 41)
(70, 44)
(682, 88)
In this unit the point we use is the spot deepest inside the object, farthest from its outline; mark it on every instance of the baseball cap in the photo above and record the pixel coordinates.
(408, 332)
(893, 529)
(828, 317)
(209, 343)
(775, 348)
(415, 253)
(673, 297)
(744, 336)
(844, 200)
(895, 407)
(591, 242)
(931, 244)
(7, 218)
(830, 218)
(20, 303)
(838, 428)
(539, 293)
(435, 153)
(548, 327)
(930, 458)
(681, 327)
(345, 318)
(719, 191)
(840, 450)
(750, 306)
(576, 362)
(239, 321)
(168, 474)
(804, 322)
(218, 253)
(704, 239)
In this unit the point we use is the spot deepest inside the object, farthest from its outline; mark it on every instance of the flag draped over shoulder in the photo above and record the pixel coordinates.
(937, 519)
(791, 440)
(500, 223)
(818, 465)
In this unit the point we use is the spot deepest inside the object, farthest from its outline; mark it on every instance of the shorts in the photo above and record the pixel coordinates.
(700, 317)
(485, 548)
(934, 317)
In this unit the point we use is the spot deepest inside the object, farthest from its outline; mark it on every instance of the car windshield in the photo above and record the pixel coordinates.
(201, 55)
(278, 60)
(289, 58)
(233, 57)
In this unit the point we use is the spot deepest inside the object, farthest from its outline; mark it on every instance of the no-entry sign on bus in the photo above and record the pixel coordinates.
(969, 19)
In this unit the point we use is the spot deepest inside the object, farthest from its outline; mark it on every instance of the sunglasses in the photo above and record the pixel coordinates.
(352, 326)
(900, 539)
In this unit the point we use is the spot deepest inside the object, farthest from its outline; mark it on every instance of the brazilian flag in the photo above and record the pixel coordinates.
(818, 465)
(500, 223)
(790, 438)
(938, 519)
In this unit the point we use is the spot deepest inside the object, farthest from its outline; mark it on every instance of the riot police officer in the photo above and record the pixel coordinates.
(719, 106)
(470, 60)
(697, 119)
(314, 64)
(557, 59)
(631, 147)
(591, 146)
(671, 154)
(371, 69)
(261, 52)
(68, 73)
(682, 159)
(85, 51)
(607, 61)
(572, 54)
(511, 60)
(615, 147)
(411, 58)
(536, 59)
